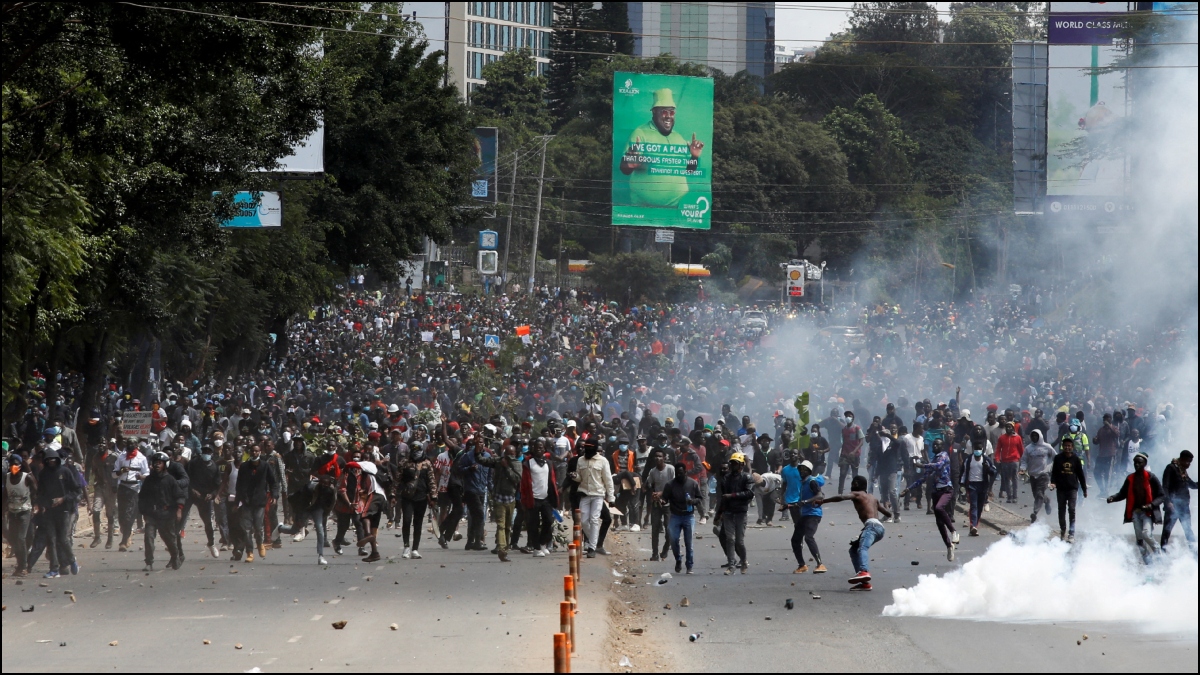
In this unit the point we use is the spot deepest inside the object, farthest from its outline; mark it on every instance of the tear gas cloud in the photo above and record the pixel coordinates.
(1029, 577)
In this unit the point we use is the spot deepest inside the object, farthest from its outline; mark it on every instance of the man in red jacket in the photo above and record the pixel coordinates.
(1143, 494)
(1009, 448)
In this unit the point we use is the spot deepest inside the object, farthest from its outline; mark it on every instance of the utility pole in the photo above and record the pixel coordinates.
(512, 196)
(537, 217)
(446, 44)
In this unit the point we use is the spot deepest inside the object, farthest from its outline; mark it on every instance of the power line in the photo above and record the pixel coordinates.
(606, 54)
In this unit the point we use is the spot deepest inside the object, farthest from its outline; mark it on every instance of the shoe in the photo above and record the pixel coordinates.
(495, 550)
(407, 553)
(74, 567)
(689, 571)
(906, 506)
(372, 558)
(457, 537)
(212, 550)
(525, 549)
(321, 560)
(663, 554)
(987, 507)
(174, 564)
(745, 568)
(108, 544)
(729, 570)
(860, 577)
(123, 548)
(886, 520)
(678, 566)
(864, 586)
(635, 528)
(337, 550)
(602, 551)
(820, 570)
(950, 553)
(416, 555)
(896, 519)
(95, 543)
(277, 544)
(954, 538)
(1033, 518)
(654, 557)
(235, 557)
(182, 557)
(974, 532)
(758, 522)
(362, 551)
(1071, 538)
(299, 537)
(541, 553)
(262, 550)
(443, 543)
(503, 555)
(801, 569)
(591, 553)
(53, 574)
(249, 557)
(704, 521)
(929, 511)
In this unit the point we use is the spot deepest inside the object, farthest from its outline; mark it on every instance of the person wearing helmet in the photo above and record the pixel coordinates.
(736, 491)
(161, 502)
(131, 468)
(868, 509)
(800, 487)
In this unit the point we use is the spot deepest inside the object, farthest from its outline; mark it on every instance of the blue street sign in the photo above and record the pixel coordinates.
(491, 341)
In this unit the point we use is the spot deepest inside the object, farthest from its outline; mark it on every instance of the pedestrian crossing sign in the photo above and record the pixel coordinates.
(491, 341)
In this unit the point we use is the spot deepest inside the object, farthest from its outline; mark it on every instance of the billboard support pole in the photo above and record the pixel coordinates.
(537, 217)
(512, 196)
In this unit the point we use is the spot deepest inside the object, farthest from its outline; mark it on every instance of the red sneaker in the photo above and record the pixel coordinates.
(864, 586)
(860, 577)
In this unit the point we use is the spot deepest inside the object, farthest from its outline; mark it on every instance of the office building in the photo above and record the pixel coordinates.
(481, 32)
(784, 54)
(728, 36)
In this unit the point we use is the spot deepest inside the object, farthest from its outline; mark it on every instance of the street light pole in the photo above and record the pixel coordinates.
(537, 217)
(512, 196)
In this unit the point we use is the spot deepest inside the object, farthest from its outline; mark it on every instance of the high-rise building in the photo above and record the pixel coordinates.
(481, 32)
(728, 36)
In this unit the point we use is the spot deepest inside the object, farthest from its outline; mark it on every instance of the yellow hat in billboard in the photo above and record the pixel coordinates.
(663, 99)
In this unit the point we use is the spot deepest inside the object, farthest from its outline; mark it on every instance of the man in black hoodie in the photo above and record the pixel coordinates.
(58, 494)
(161, 504)
(256, 481)
(1067, 478)
(204, 484)
(736, 492)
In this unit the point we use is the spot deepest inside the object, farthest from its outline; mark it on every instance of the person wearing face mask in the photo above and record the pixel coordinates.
(298, 466)
(941, 499)
(506, 484)
(256, 483)
(130, 469)
(978, 472)
(817, 452)
(161, 503)
(204, 487)
(20, 494)
(539, 494)
(100, 467)
(315, 500)
(596, 485)
(851, 454)
(627, 483)
(736, 492)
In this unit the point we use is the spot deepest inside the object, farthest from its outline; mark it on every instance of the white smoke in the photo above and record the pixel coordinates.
(1030, 577)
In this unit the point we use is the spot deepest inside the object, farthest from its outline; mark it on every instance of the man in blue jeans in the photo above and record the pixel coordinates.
(868, 508)
(978, 472)
(681, 495)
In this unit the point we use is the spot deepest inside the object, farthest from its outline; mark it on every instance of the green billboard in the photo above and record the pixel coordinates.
(662, 151)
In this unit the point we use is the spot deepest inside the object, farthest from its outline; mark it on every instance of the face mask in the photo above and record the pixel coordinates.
(524, 449)
(978, 454)
(849, 418)
(624, 446)
(206, 457)
(287, 437)
(14, 469)
(218, 443)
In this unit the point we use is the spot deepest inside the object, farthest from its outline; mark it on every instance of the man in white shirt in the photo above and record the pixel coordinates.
(914, 457)
(594, 476)
(129, 471)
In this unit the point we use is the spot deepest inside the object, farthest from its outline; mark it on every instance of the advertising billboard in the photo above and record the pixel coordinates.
(662, 151)
(485, 183)
(267, 213)
(1087, 102)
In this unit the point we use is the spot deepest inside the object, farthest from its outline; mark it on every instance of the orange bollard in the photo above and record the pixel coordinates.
(569, 591)
(573, 557)
(564, 623)
(562, 663)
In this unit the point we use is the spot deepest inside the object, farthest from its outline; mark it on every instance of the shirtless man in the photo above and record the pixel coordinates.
(868, 508)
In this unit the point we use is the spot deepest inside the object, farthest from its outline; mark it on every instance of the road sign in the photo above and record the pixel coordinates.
(491, 342)
(664, 236)
(136, 423)
(795, 280)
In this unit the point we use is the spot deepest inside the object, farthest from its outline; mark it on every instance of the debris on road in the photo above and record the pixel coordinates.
(338, 625)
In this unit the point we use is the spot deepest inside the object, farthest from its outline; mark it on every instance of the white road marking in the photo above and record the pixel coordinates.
(335, 601)
(352, 588)
(316, 617)
(271, 660)
(294, 639)
(29, 624)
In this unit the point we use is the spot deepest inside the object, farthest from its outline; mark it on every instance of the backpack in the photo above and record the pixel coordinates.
(414, 485)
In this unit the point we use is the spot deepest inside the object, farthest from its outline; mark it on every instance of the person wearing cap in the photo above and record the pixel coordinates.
(130, 469)
(20, 495)
(736, 492)
(161, 502)
(646, 145)
(801, 487)
(1143, 495)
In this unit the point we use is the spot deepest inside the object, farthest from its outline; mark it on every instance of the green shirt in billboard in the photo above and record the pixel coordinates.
(661, 169)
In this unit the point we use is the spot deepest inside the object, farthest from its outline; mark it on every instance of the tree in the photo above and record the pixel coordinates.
(878, 150)
(633, 277)
(888, 27)
(614, 20)
(576, 42)
(514, 96)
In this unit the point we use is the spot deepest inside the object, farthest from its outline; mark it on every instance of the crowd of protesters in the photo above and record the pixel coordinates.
(414, 412)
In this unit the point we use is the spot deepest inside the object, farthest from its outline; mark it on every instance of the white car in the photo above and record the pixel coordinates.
(753, 320)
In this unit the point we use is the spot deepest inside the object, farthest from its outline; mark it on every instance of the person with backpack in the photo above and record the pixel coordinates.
(314, 498)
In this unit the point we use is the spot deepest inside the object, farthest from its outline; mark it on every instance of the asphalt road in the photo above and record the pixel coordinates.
(455, 611)
(844, 630)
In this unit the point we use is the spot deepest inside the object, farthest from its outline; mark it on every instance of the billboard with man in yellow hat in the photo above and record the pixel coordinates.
(662, 161)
